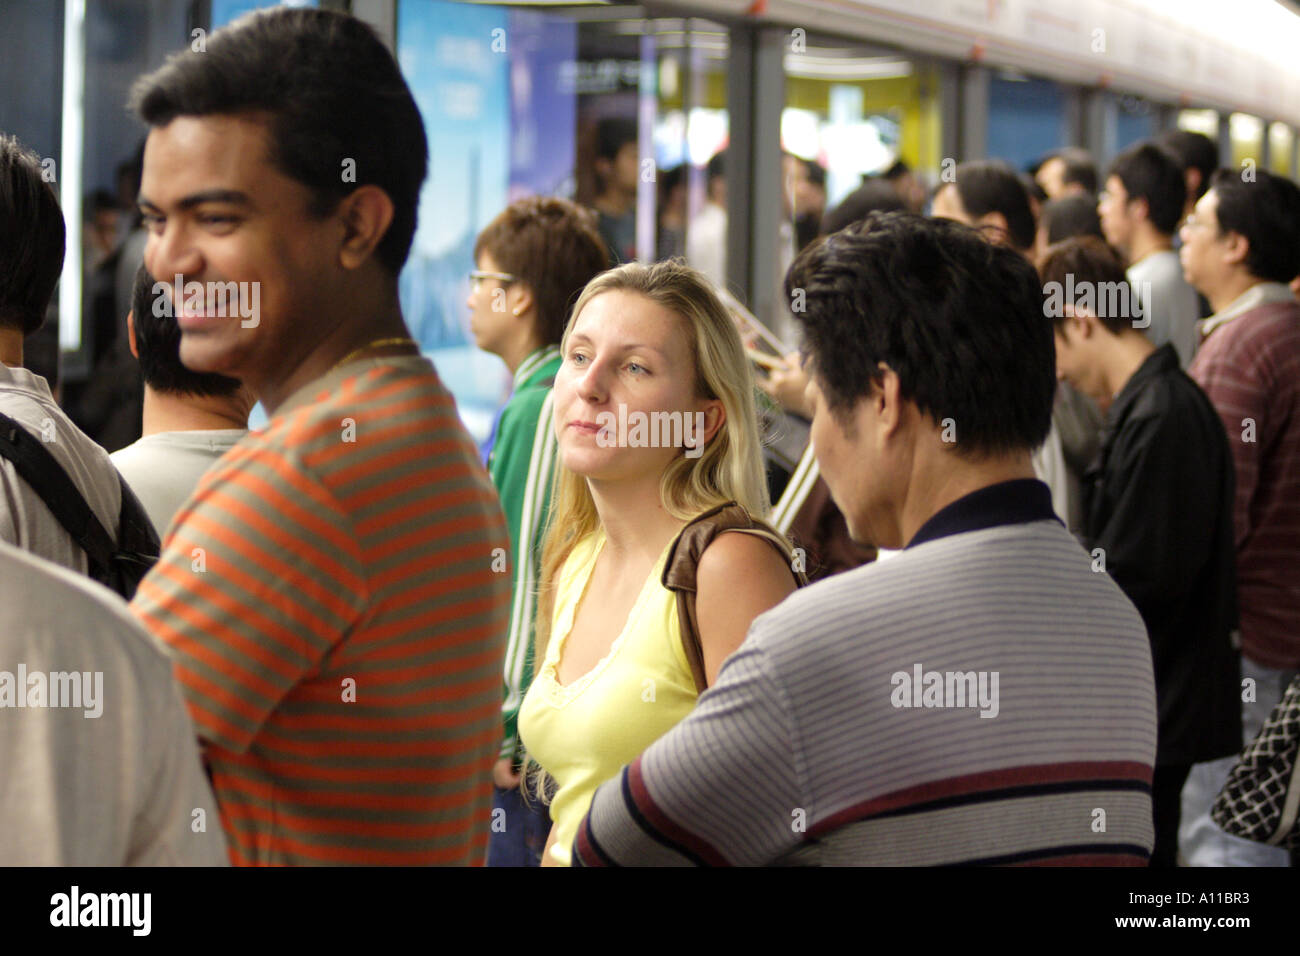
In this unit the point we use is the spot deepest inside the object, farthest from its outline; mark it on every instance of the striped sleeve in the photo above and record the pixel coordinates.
(521, 468)
(721, 788)
(260, 579)
(1240, 393)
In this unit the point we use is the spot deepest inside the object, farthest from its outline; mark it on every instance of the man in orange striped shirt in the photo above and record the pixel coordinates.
(334, 593)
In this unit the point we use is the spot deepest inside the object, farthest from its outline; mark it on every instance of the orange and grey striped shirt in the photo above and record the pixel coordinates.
(335, 601)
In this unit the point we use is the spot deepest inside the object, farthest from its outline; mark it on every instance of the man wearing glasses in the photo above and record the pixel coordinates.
(1241, 247)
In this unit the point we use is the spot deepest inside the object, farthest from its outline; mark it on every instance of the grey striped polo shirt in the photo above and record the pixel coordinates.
(984, 697)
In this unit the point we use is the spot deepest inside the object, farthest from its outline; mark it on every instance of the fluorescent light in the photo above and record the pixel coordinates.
(69, 170)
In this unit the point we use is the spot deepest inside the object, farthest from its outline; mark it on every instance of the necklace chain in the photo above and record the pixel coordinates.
(376, 344)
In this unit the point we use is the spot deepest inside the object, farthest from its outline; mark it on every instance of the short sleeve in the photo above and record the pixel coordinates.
(261, 577)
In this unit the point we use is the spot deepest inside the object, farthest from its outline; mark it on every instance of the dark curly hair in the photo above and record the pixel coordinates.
(1266, 211)
(552, 245)
(331, 91)
(958, 319)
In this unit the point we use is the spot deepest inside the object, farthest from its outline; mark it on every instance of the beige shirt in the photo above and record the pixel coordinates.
(163, 469)
(25, 521)
(1262, 294)
(100, 763)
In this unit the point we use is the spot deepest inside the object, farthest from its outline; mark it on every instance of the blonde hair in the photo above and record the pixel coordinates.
(730, 468)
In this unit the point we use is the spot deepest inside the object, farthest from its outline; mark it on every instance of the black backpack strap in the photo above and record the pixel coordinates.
(45, 476)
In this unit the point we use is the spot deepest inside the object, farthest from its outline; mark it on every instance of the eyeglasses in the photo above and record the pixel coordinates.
(477, 277)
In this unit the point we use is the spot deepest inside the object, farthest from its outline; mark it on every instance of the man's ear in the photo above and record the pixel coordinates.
(1236, 248)
(994, 224)
(887, 397)
(130, 333)
(366, 215)
(1080, 325)
(1141, 209)
(520, 298)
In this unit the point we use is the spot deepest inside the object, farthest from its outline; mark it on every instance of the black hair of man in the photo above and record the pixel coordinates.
(670, 179)
(874, 195)
(1035, 191)
(97, 201)
(957, 318)
(990, 185)
(1151, 172)
(1194, 151)
(332, 93)
(897, 170)
(32, 237)
(1078, 169)
(1095, 272)
(158, 342)
(612, 134)
(816, 173)
(716, 167)
(1070, 216)
(1267, 213)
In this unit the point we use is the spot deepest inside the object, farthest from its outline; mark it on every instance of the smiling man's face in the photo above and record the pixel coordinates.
(217, 211)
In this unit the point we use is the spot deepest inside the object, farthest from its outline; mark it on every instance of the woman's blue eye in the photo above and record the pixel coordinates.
(633, 365)
(576, 357)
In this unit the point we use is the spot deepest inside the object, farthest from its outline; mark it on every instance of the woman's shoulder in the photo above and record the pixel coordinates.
(735, 554)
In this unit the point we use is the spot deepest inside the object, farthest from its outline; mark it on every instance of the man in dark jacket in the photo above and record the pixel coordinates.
(1157, 511)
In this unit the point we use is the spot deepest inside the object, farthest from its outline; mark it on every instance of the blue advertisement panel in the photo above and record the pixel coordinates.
(455, 59)
(500, 126)
(543, 107)
(223, 11)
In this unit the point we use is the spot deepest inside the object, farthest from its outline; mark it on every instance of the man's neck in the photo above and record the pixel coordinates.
(1123, 357)
(11, 346)
(339, 344)
(191, 413)
(933, 488)
(515, 352)
(1232, 289)
(1147, 242)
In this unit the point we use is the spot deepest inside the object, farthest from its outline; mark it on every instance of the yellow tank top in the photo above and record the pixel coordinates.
(584, 734)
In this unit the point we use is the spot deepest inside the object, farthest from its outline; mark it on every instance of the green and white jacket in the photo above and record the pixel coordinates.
(521, 462)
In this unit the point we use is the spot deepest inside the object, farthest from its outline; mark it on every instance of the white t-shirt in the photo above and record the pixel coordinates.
(25, 521)
(163, 469)
(100, 764)
(1173, 308)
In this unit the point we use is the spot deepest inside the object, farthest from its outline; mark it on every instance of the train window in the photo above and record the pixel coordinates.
(1136, 120)
(1281, 140)
(1027, 118)
(853, 111)
(1247, 138)
(597, 104)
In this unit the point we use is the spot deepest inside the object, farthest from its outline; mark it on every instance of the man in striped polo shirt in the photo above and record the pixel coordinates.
(333, 594)
(986, 695)
(531, 262)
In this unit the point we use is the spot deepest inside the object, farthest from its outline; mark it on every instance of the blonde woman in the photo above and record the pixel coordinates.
(650, 357)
